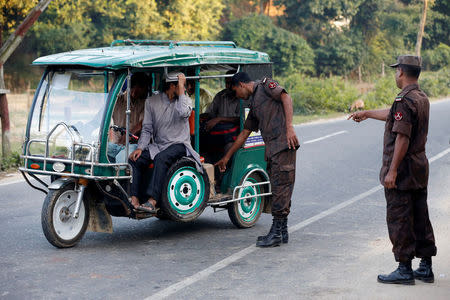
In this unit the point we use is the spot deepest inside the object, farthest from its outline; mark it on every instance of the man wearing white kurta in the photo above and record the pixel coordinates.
(164, 139)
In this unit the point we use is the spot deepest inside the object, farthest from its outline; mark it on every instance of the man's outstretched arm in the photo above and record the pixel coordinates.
(377, 114)
(240, 140)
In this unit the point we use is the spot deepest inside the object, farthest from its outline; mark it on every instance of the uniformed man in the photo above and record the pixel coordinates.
(271, 112)
(404, 174)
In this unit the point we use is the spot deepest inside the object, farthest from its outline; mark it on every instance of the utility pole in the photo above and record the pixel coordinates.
(6, 50)
(421, 27)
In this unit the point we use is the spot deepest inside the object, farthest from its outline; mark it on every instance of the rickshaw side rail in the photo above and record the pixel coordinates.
(246, 184)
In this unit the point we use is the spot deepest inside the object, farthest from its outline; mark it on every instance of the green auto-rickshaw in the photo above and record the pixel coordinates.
(67, 138)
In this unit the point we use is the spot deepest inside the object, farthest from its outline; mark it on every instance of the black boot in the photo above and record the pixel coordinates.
(403, 275)
(424, 272)
(273, 238)
(284, 233)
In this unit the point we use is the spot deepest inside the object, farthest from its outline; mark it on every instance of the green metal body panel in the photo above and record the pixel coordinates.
(244, 160)
(144, 56)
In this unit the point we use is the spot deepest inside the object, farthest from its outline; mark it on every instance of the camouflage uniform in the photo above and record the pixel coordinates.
(267, 114)
(409, 227)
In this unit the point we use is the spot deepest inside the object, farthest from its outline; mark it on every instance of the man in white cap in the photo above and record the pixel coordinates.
(164, 139)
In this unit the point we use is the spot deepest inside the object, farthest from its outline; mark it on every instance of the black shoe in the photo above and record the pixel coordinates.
(284, 233)
(403, 275)
(273, 238)
(424, 272)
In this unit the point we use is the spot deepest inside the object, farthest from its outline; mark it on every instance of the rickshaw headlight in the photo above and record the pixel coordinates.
(59, 167)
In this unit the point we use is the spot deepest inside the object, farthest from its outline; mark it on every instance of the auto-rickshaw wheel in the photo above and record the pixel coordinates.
(245, 213)
(58, 224)
(185, 192)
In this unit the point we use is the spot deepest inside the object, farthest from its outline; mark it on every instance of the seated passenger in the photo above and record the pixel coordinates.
(138, 94)
(164, 139)
(220, 123)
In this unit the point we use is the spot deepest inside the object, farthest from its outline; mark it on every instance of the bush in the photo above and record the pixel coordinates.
(436, 58)
(319, 95)
(382, 94)
(9, 162)
(436, 84)
(288, 51)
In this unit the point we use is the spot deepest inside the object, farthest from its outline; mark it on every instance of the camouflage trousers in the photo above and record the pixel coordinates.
(281, 169)
(409, 225)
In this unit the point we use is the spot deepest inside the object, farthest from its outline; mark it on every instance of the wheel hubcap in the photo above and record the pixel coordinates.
(248, 208)
(186, 190)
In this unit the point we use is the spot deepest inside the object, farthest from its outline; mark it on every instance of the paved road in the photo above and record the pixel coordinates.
(338, 243)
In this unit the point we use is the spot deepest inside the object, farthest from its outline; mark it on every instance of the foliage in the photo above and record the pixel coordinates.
(9, 162)
(437, 58)
(436, 84)
(319, 95)
(288, 51)
(438, 25)
(340, 54)
(12, 12)
(382, 94)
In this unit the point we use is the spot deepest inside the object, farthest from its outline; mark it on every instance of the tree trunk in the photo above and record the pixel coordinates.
(421, 28)
(4, 112)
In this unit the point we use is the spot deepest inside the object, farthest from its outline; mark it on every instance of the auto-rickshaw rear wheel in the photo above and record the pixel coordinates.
(185, 192)
(58, 224)
(246, 212)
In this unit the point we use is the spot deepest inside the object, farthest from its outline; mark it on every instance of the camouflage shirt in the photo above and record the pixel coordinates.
(409, 115)
(267, 114)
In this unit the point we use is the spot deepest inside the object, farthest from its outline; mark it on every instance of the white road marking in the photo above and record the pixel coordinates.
(12, 182)
(174, 288)
(325, 137)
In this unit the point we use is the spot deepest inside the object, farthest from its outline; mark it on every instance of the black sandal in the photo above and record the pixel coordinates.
(147, 207)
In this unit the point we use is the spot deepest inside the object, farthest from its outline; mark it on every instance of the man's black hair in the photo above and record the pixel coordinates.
(140, 79)
(410, 71)
(240, 77)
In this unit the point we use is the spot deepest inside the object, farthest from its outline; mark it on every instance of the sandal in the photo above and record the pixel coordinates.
(147, 207)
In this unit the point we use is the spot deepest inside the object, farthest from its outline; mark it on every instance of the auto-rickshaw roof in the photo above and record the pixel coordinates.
(144, 53)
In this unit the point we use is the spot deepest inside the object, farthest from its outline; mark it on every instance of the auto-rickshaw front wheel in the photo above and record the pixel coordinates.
(60, 228)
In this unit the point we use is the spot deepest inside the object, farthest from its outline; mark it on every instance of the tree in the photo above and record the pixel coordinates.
(421, 27)
(340, 54)
(315, 20)
(438, 24)
(288, 51)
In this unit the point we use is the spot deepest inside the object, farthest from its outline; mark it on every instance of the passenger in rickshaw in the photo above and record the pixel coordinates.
(205, 95)
(138, 94)
(165, 138)
(219, 125)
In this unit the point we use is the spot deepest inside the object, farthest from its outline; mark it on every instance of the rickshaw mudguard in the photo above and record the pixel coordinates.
(60, 182)
(99, 218)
